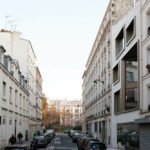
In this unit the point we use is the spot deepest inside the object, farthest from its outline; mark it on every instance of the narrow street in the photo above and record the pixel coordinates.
(61, 142)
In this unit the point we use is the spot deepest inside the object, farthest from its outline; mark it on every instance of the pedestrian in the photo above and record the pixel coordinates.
(12, 140)
(34, 134)
(20, 136)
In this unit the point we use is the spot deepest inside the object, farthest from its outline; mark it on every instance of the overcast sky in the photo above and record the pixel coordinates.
(62, 33)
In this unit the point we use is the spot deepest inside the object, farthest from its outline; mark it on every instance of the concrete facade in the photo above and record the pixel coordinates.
(97, 78)
(14, 97)
(123, 112)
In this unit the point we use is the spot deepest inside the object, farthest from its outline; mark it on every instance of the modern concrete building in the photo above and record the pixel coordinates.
(126, 82)
(70, 111)
(14, 97)
(97, 78)
(22, 50)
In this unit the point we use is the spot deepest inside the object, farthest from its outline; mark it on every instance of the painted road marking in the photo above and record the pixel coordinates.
(57, 140)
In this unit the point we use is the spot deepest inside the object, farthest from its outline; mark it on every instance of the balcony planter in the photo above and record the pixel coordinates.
(148, 67)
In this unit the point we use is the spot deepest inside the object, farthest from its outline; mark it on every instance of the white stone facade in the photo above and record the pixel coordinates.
(14, 97)
(22, 50)
(39, 81)
(71, 109)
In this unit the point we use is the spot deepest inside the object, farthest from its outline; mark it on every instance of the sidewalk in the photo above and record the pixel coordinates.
(27, 142)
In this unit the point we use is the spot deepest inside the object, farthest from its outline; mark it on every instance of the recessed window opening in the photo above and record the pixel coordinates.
(120, 42)
(148, 22)
(116, 73)
(117, 102)
(131, 79)
(130, 31)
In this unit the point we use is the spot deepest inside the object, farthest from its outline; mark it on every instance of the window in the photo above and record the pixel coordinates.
(6, 62)
(20, 100)
(95, 126)
(128, 134)
(148, 55)
(76, 111)
(116, 73)
(147, 23)
(100, 128)
(10, 121)
(10, 94)
(120, 42)
(117, 102)
(131, 79)
(16, 97)
(4, 89)
(130, 31)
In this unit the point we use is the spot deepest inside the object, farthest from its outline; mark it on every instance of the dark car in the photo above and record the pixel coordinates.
(82, 139)
(52, 132)
(95, 145)
(67, 131)
(38, 141)
(88, 139)
(47, 137)
(75, 137)
(17, 147)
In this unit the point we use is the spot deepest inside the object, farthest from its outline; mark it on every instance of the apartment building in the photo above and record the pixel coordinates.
(14, 97)
(22, 50)
(39, 81)
(70, 111)
(144, 120)
(73, 111)
(126, 89)
(97, 78)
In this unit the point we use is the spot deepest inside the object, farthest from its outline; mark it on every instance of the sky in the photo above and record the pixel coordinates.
(62, 33)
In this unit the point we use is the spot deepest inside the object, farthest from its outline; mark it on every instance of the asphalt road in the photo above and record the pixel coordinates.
(61, 142)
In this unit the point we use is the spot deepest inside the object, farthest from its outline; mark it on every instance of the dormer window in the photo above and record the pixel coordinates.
(5, 62)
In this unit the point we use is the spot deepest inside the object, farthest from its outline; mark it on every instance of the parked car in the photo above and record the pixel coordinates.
(88, 139)
(95, 145)
(52, 132)
(73, 131)
(66, 131)
(38, 142)
(17, 147)
(81, 141)
(75, 137)
(47, 137)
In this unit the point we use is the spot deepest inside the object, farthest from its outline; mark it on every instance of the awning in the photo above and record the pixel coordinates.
(143, 120)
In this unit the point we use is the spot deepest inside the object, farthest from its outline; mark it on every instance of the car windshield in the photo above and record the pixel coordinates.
(95, 147)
